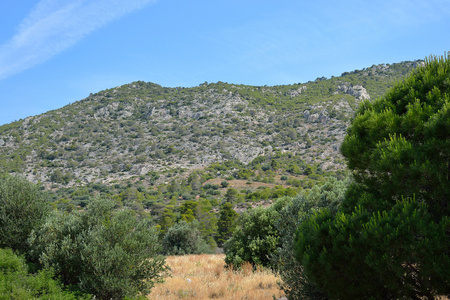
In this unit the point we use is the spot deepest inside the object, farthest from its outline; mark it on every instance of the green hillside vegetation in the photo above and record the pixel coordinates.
(167, 142)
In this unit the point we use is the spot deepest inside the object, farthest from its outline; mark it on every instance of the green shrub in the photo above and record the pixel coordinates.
(17, 283)
(295, 283)
(224, 184)
(108, 253)
(394, 254)
(256, 236)
(22, 208)
(184, 238)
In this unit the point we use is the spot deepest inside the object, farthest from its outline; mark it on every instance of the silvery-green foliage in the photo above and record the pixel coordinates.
(22, 208)
(294, 283)
(184, 238)
(111, 254)
(16, 282)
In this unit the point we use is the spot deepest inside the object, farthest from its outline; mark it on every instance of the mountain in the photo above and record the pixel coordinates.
(143, 134)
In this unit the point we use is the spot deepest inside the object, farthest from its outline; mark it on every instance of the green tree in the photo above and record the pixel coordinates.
(274, 164)
(231, 195)
(396, 254)
(168, 219)
(132, 198)
(226, 224)
(59, 177)
(390, 239)
(23, 208)
(187, 210)
(399, 145)
(111, 254)
(295, 282)
(207, 222)
(256, 236)
(308, 171)
(224, 184)
(184, 238)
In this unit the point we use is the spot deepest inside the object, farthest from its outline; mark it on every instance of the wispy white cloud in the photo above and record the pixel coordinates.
(55, 25)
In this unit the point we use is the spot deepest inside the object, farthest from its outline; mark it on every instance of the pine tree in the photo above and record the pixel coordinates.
(390, 238)
(226, 223)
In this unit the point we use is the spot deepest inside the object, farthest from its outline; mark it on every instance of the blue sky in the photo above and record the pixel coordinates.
(55, 52)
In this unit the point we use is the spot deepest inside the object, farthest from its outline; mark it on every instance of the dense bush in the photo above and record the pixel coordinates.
(184, 238)
(17, 283)
(294, 283)
(256, 236)
(395, 254)
(22, 208)
(108, 253)
(264, 236)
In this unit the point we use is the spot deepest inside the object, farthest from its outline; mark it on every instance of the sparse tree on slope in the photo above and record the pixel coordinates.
(226, 223)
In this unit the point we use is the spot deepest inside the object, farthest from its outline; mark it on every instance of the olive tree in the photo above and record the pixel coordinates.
(23, 207)
(111, 254)
(184, 238)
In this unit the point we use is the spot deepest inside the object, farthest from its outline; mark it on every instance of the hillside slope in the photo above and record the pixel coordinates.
(143, 130)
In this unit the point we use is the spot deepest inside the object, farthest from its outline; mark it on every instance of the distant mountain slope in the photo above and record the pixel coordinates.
(142, 129)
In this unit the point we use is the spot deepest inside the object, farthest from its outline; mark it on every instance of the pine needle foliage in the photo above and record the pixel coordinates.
(390, 238)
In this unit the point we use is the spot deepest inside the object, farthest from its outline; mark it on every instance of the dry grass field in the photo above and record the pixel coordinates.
(204, 277)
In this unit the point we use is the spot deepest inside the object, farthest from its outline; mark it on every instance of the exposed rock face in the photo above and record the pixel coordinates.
(298, 91)
(320, 117)
(357, 91)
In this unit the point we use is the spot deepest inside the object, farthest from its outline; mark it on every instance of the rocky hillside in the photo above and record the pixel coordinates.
(143, 130)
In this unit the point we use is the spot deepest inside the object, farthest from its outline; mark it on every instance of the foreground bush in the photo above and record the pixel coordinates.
(22, 208)
(394, 254)
(108, 253)
(265, 236)
(17, 283)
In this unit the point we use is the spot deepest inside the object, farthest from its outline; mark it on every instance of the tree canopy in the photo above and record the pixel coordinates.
(23, 208)
(390, 237)
(399, 145)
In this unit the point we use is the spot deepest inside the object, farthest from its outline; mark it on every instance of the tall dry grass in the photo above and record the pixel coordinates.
(204, 277)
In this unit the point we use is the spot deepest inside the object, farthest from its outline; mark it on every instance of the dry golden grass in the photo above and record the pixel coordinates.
(204, 277)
